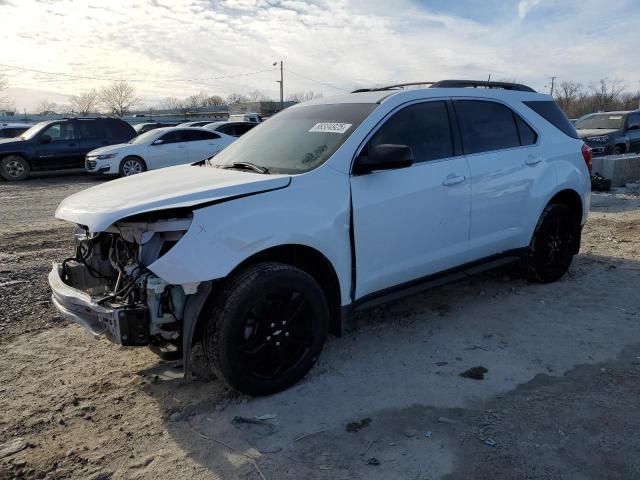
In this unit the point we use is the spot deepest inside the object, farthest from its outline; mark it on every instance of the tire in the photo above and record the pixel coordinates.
(266, 328)
(131, 166)
(14, 168)
(617, 150)
(554, 243)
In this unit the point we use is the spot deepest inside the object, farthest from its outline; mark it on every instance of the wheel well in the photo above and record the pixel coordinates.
(571, 199)
(621, 145)
(136, 157)
(312, 262)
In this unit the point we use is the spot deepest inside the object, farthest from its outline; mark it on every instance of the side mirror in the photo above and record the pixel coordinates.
(158, 142)
(635, 126)
(386, 156)
(45, 138)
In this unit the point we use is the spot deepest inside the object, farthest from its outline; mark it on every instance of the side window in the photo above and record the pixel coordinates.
(633, 122)
(228, 129)
(527, 135)
(242, 129)
(486, 126)
(60, 131)
(424, 127)
(89, 130)
(117, 129)
(174, 136)
(195, 135)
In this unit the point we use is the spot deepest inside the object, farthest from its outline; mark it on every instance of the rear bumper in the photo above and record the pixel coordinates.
(124, 325)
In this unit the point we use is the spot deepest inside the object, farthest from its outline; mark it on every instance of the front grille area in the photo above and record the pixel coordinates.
(89, 164)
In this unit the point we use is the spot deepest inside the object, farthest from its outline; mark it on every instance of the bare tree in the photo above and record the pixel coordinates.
(606, 92)
(170, 103)
(5, 103)
(303, 96)
(215, 100)
(257, 96)
(236, 98)
(119, 97)
(567, 94)
(86, 102)
(46, 107)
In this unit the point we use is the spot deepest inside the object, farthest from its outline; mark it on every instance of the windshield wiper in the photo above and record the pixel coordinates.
(246, 166)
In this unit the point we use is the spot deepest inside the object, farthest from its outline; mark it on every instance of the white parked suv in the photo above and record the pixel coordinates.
(158, 148)
(330, 206)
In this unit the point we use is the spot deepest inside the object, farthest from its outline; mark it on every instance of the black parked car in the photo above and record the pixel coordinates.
(141, 128)
(611, 133)
(59, 144)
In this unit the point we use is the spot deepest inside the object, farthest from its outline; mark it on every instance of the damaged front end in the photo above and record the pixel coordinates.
(108, 288)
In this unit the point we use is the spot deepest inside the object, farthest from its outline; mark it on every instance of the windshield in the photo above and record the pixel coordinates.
(602, 121)
(144, 137)
(298, 139)
(33, 131)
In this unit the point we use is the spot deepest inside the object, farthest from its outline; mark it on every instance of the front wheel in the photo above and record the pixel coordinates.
(266, 328)
(554, 243)
(14, 168)
(131, 166)
(617, 150)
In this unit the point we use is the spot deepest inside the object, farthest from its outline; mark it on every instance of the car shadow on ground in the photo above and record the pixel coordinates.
(401, 370)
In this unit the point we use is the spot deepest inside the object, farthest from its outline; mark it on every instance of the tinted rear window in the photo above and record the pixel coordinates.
(552, 114)
(486, 126)
(118, 129)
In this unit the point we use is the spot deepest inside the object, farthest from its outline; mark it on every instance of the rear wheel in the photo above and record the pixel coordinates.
(553, 245)
(617, 150)
(131, 166)
(266, 328)
(14, 168)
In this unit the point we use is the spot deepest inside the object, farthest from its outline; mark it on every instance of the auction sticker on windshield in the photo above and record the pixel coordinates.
(330, 127)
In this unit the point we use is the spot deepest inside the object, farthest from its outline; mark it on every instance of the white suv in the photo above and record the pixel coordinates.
(331, 205)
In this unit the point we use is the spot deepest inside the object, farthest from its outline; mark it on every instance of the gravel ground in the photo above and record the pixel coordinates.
(559, 399)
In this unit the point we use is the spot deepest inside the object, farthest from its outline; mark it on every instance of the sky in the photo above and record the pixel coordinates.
(180, 47)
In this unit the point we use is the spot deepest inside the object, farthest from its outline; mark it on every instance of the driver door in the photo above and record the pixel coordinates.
(412, 222)
(62, 151)
(168, 150)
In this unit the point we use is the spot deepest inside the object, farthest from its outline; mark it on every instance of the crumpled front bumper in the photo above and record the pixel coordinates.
(122, 324)
(76, 305)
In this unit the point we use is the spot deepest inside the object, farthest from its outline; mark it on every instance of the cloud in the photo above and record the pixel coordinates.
(524, 6)
(342, 44)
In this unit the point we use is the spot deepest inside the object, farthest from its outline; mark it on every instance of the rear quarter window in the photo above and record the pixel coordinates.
(548, 110)
(118, 129)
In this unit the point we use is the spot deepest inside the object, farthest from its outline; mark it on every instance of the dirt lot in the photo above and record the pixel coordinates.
(559, 399)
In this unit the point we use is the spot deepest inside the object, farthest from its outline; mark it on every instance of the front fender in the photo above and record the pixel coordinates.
(312, 211)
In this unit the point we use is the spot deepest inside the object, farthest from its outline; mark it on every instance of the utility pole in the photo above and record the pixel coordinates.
(281, 86)
(553, 80)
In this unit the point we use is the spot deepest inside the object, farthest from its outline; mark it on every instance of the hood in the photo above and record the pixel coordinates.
(5, 141)
(595, 132)
(182, 186)
(111, 149)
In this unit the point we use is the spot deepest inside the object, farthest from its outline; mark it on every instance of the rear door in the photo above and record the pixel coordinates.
(505, 162)
(62, 151)
(412, 222)
(168, 150)
(633, 132)
(202, 144)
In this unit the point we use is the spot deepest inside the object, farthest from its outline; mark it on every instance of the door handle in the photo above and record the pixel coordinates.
(531, 160)
(453, 179)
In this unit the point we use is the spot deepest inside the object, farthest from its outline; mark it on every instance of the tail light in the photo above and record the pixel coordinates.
(586, 154)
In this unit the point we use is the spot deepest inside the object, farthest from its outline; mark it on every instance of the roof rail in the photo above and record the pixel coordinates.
(481, 84)
(392, 87)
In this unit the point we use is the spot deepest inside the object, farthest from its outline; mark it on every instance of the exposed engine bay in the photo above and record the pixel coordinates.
(132, 304)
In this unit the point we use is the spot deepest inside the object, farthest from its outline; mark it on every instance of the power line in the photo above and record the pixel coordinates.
(317, 81)
(146, 80)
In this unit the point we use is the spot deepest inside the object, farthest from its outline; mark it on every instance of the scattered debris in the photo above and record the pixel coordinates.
(441, 364)
(12, 446)
(475, 373)
(446, 420)
(489, 441)
(476, 347)
(307, 435)
(428, 434)
(373, 461)
(268, 416)
(599, 183)
(356, 426)
(251, 420)
(410, 432)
